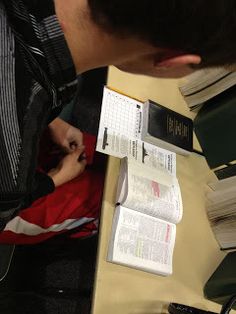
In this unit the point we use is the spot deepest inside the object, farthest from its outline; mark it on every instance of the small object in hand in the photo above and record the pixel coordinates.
(82, 157)
(73, 145)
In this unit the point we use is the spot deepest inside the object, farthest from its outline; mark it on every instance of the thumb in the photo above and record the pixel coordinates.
(81, 153)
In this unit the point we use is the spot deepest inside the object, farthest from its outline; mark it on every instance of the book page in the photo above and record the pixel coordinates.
(120, 133)
(120, 120)
(158, 174)
(142, 242)
(156, 158)
(122, 184)
(153, 198)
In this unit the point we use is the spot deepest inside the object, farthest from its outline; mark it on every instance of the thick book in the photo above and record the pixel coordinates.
(204, 84)
(221, 286)
(167, 129)
(215, 128)
(222, 184)
(221, 211)
(226, 171)
(144, 225)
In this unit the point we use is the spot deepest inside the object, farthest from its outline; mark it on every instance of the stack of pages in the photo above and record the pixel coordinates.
(221, 210)
(205, 84)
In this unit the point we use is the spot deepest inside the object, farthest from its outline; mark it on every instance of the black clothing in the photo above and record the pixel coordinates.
(37, 77)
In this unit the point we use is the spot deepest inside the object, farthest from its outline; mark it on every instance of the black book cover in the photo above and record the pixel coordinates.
(215, 128)
(226, 172)
(170, 126)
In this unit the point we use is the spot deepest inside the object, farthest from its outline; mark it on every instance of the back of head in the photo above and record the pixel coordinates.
(203, 27)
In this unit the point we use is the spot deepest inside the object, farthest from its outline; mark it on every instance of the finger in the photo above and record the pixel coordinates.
(80, 150)
(77, 151)
(83, 163)
(73, 145)
(82, 157)
(67, 150)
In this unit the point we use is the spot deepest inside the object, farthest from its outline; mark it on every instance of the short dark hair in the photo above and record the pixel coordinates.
(204, 27)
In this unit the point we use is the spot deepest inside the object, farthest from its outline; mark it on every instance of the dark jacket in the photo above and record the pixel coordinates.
(37, 77)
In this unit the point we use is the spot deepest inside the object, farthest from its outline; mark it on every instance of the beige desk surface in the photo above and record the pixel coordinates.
(122, 290)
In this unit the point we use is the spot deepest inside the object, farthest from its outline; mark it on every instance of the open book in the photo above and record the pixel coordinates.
(149, 206)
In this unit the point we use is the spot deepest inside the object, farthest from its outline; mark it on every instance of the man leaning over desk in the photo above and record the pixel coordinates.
(44, 45)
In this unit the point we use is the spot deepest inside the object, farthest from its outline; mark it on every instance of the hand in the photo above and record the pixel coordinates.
(70, 167)
(65, 135)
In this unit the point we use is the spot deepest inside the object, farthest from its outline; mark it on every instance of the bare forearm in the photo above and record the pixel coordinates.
(56, 177)
(69, 168)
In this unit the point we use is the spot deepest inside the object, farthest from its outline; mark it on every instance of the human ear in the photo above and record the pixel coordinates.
(178, 61)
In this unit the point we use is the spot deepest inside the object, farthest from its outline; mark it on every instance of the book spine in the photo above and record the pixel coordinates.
(169, 126)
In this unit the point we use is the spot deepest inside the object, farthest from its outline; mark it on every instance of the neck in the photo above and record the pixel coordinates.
(90, 46)
(85, 40)
(66, 14)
